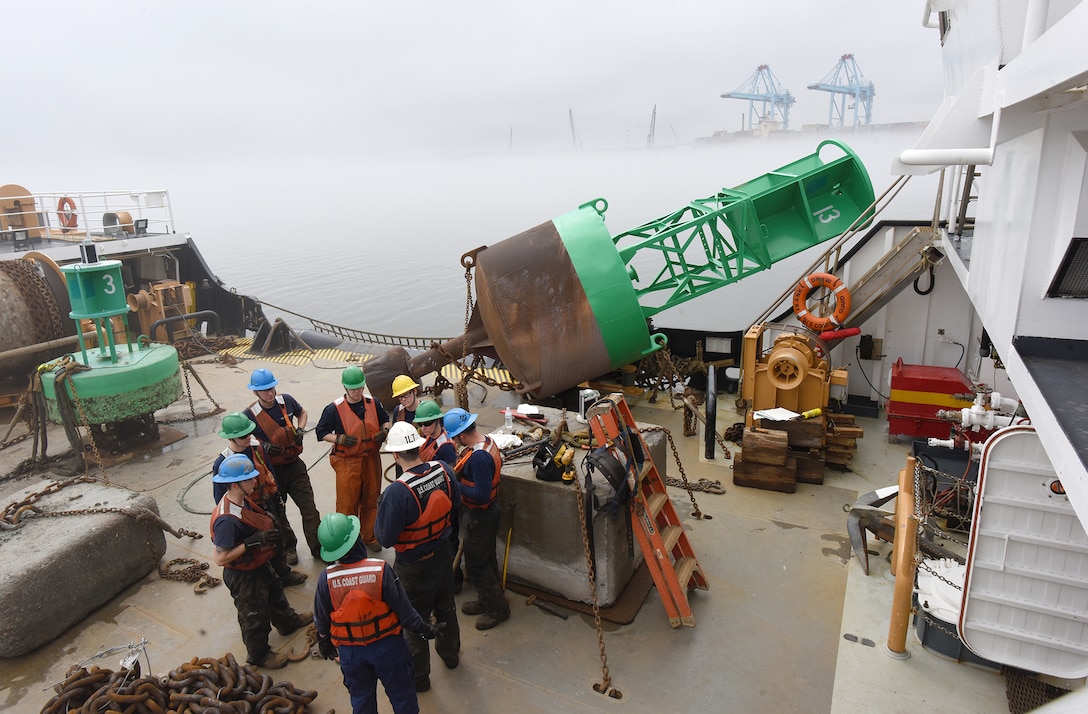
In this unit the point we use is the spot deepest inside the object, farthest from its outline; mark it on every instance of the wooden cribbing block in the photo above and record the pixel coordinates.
(810, 465)
(802, 433)
(766, 476)
(764, 446)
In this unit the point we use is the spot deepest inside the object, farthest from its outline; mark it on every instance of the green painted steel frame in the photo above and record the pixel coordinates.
(719, 240)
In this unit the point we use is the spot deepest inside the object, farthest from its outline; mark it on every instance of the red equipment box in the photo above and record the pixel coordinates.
(918, 391)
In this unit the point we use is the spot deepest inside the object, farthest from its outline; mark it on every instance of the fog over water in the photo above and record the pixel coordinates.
(376, 245)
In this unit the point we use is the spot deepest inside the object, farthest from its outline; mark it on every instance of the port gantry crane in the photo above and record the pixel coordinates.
(766, 98)
(845, 82)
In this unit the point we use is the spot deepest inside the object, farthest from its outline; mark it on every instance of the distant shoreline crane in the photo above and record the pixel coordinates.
(762, 88)
(844, 82)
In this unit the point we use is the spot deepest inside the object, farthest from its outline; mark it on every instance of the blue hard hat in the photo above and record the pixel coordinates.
(235, 468)
(457, 420)
(262, 379)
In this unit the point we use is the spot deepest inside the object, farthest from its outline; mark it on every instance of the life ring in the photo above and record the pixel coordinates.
(66, 214)
(805, 288)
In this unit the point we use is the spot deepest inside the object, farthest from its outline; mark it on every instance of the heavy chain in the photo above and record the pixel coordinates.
(919, 612)
(206, 684)
(86, 423)
(195, 571)
(929, 503)
(14, 512)
(683, 481)
(186, 368)
(924, 566)
(689, 400)
(605, 685)
(37, 297)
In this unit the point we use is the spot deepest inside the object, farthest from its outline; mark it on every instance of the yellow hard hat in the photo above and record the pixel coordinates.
(403, 384)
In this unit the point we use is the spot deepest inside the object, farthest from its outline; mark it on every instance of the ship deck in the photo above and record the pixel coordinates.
(771, 632)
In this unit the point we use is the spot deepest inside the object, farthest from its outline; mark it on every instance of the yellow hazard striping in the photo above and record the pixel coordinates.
(299, 357)
(296, 357)
(932, 398)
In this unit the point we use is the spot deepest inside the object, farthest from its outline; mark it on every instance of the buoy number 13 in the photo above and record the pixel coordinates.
(827, 214)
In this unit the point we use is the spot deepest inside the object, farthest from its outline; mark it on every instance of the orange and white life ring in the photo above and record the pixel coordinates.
(800, 302)
(66, 214)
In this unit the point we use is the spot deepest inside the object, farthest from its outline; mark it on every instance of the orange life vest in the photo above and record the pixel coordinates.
(253, 516)
(362, 429)
(359, 615)
(282, 435)
(486, 445)
(431, 446)
(433, 493)
(266, 482)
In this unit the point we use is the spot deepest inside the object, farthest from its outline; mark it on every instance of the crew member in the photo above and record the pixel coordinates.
(244, 537)
(478, 470)
(437, 444)
(356, 425)
(359, 610)
(406, 392)
(414, 518)
(238, 430)
(281, 425)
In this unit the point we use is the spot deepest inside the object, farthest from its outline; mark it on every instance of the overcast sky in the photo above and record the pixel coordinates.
(198, 79)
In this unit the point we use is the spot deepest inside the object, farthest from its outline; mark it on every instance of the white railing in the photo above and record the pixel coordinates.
(75, 216)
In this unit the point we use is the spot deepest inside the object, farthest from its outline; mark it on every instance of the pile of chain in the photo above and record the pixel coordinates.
(200, 685)
(192, 571)
(200, 346)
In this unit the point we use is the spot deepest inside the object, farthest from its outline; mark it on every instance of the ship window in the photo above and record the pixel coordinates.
(1072, 278)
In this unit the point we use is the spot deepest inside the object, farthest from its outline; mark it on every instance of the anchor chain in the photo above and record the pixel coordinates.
(186, 369)
(194, 571)
(605, 685)
(206, 684)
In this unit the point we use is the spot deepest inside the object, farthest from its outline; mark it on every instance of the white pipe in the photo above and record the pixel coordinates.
(957, 157)
(1035, 21)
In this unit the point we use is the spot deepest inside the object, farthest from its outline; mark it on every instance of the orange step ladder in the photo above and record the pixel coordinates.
(663, 541)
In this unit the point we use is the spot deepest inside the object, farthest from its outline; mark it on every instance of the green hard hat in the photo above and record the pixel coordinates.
(236, 425)
(353, 378)
(337, 533)
(427, 411)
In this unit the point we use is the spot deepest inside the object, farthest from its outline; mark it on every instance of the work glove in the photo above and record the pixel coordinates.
(273, 449)
(432, 630)
(262, 538)
(326, 647)
(380, 436)
(299, 435)
(346, 440)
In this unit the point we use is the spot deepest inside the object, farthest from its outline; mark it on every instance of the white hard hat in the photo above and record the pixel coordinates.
(402, 437)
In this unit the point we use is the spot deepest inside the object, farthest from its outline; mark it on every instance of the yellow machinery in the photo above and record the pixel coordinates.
(785, 366)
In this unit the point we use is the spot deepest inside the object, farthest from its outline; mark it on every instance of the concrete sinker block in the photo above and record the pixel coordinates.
(546, 549)
(57, 570)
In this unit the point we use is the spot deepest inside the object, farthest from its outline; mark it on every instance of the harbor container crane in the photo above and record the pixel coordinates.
(766, 98)
(845, 82)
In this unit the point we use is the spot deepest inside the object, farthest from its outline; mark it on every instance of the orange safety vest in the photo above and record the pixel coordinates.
(282, 435)
(266, 482)
(488, 445)
(433, 493)
(362, 429)
(253, 516)
(400, 414)
(359, 615)
(431, 446)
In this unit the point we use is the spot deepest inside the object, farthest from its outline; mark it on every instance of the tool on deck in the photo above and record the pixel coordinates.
(669, 555)
(531, 600)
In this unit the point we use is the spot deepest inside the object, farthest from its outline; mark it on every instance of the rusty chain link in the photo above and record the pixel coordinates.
(200, 685)
(194, 571)
(605, 685)
(186, 368)
(683, 480)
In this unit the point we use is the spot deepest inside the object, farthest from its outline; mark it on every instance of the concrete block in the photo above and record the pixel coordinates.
(546, 550)
(57, 570)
